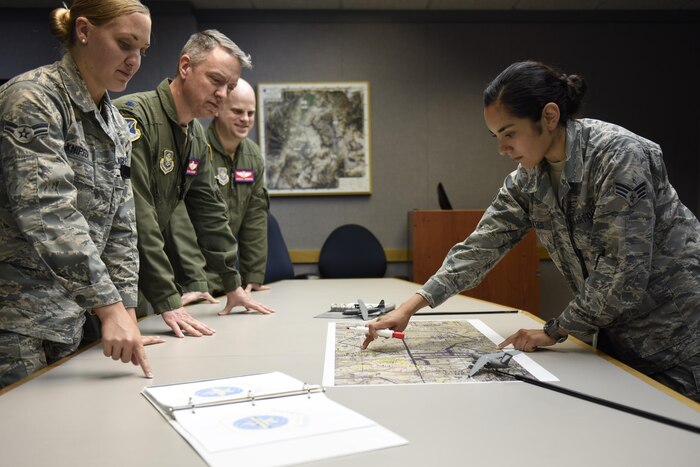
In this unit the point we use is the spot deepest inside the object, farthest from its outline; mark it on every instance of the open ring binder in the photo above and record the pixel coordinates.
(265, 419)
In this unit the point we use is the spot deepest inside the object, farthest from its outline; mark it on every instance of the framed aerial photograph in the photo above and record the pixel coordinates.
(314, 138)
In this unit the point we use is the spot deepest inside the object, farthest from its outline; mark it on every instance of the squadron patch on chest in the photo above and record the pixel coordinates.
(222, 175)
(631, 195)
(25, 133)
(243, 176)
(167, 161)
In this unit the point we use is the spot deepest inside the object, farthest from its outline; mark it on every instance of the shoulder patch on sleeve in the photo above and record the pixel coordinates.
(25, 133)
(134, 132)
(631, 195)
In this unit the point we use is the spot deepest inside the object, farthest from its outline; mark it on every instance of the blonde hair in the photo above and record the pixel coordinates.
(98, 12)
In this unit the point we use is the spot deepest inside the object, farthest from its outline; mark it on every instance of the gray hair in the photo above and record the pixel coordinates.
(201, 43)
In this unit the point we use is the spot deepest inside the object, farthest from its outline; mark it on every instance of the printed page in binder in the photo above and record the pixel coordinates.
(170, 397)
(268, 419)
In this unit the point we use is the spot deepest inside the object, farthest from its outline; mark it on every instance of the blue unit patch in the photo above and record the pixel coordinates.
(134, 132)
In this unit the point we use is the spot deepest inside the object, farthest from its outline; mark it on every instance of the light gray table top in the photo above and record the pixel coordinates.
(89, 410)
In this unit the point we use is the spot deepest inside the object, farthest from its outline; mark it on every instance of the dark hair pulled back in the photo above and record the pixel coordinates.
(524, 88)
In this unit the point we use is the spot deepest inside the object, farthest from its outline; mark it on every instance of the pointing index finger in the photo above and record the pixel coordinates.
(506, 342)
(143, 361)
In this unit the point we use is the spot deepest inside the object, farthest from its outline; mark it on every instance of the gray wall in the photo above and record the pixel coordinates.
(426, 80)
(426, 75)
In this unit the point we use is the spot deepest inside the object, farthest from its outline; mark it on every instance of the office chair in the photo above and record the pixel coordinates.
(351, 250)
(443, 200)
(279, 264)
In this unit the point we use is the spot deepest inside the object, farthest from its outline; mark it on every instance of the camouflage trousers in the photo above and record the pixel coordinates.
(683, 378)
(20, 355)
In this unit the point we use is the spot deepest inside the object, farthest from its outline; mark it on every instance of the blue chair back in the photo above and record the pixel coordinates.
(351, 250)
(279, 264)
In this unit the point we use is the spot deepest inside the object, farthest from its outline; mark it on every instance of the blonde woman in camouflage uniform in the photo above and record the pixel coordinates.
(601, 203)
(67, 224)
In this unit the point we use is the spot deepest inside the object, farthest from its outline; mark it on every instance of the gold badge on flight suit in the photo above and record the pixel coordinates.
(222, 176)
(167, 162)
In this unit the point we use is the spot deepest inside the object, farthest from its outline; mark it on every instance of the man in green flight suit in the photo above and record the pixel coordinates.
(171, 161)
(238, 169)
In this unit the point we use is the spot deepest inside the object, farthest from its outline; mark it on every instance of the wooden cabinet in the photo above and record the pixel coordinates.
(514, 281)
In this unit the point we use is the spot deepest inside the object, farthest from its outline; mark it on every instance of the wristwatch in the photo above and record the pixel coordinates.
(551, 328)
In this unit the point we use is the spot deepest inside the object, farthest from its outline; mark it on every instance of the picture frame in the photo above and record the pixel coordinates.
(315, 138)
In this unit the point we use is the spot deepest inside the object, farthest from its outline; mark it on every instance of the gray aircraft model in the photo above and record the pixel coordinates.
(362, 309)
(493, 360)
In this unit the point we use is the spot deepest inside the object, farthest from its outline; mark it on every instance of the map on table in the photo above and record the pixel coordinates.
(434, 352)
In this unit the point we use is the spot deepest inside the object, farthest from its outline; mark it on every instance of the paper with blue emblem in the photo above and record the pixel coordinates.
(226, 426)
(170, 397)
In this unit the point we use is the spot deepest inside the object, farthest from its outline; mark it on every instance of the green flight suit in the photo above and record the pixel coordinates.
(240, 180)
(169, 164)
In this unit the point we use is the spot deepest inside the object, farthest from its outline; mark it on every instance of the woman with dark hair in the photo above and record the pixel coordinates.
(67, 223)
(601, 203)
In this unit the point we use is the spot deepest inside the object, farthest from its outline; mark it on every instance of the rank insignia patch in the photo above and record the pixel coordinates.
(134, 132)
(192, 167)
(631, 195)
(167, 162)
(24, 133)
(243, 176)
(222, 175)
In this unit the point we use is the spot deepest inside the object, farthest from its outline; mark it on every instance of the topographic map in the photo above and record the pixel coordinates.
(432, 352)
(315, 138)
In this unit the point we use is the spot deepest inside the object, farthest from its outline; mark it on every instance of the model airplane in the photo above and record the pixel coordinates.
(362, 309)
(493, 360)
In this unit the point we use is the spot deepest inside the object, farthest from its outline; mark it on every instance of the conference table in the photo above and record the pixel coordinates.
(88, 410)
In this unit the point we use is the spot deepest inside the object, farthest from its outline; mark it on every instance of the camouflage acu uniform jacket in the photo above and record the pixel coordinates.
(628, 248)
(170, 164)
(67, 222)
(240, 180)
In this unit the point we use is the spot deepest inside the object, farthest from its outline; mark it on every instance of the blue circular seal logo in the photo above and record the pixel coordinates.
(218, 391)
(261, 422)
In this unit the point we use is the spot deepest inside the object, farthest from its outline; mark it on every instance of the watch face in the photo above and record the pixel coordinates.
(551, 328)
(548, 326)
